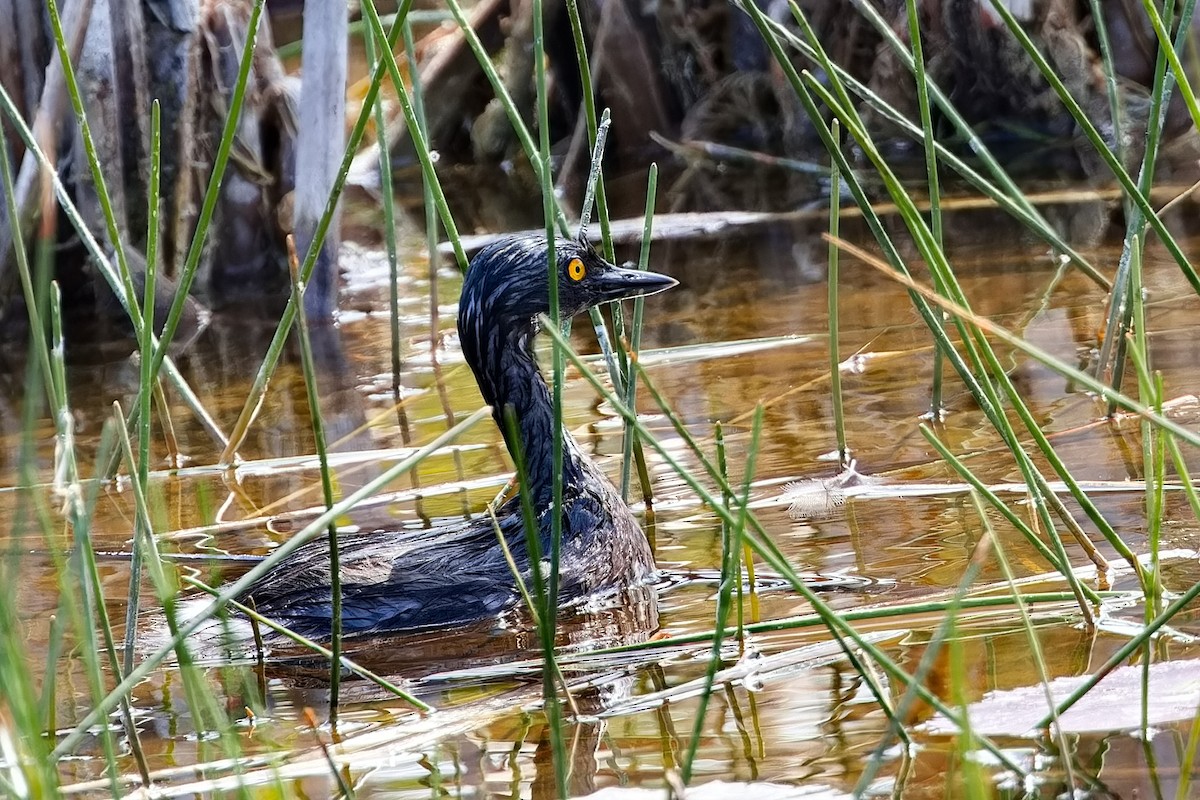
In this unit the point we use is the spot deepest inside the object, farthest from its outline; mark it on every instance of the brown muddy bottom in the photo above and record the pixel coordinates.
(747, 326)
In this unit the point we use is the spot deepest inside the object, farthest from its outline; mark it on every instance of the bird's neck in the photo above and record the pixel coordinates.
(509, 377)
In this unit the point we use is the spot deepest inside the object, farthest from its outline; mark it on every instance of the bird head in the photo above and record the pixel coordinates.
(508, 281)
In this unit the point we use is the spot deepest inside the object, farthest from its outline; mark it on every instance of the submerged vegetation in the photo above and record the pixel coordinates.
(125, 520)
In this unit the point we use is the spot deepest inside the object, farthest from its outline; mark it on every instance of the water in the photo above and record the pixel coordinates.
(747, 326)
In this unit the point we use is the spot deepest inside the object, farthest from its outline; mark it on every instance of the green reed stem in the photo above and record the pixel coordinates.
(30, 715)
(1172, 49)
(932, 608)
(537, 154)
(431, 224)
(731, 548)
(596, 130)
(76, 584)
(1122, 302)
(613, 351)
(726, 534)
(1153, 450)
(1036, 653)
(315, 528)
(761, 543)
(146, 382)
(203, 705)
(543, 603)
(275, 349)
(91, 582)
(971, 783)
(595, 180)
(630, 445)
(431, 242)
(1187, 764)
(531, 149)
(931, 170)
(309, 368)
(146, 346)
(426, 17)
(1111, 82)
(976, 348)
(388, 196)
(28, 763)
(549, 206)
(93, 161)
(534, 605)
(835, 359)
(1154, 447)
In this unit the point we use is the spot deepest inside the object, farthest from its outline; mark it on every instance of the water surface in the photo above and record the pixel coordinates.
(747, 326)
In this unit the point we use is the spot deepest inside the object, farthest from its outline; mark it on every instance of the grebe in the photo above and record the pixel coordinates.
(397, 581)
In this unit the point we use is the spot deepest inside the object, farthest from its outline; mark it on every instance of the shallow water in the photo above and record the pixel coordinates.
(747, 326)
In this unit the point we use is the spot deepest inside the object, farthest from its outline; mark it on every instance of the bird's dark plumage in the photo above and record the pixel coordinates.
(395, 581)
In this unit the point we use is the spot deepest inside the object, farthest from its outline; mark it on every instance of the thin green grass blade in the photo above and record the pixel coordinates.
(596, 130)
(207, 714)
(309, 368)
(76, 584)
(93, 161)
(629, 443)
(730, 551)
(1188, 763)
(275, 349)
(531, 148)
(934, 608)
(111, 276)
(1122, 302)
(550, 209)
(388, 195)
(835, 359)
(146, 382)
(1037, 656)
(41, 350)
(971, 781)
(1170, 49)
(931, 170)
(1111, 81)
(964, 472)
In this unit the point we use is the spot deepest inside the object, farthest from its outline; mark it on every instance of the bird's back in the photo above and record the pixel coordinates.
(392, 581)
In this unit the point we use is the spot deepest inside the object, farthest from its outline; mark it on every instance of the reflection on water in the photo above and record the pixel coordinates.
(819, 723)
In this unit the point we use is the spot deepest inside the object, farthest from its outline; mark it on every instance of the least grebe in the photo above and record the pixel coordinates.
(396, 581)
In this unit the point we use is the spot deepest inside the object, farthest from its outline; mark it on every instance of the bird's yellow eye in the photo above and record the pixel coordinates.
(576, 270)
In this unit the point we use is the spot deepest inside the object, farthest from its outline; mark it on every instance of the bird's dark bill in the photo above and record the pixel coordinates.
(619, 283)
